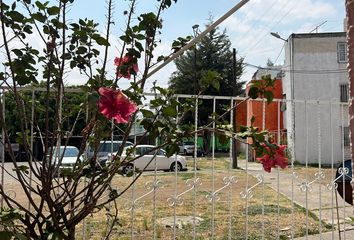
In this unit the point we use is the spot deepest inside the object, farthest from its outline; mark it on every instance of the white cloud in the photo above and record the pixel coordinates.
(249, 29)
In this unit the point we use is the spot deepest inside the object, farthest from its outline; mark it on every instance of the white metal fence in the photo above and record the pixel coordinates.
(213, 201)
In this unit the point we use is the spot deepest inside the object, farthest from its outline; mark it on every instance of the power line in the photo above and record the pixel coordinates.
(319, 71)
(256, 20)
(281, 50)
(266, 30)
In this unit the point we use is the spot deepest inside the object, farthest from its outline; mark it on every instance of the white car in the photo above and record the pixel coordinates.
(68, 155)
(146, 161)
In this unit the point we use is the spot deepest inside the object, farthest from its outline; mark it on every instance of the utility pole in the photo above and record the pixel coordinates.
(234, 141)
(349, 4)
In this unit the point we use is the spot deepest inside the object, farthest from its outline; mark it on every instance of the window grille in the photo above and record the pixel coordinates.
(346, 141)
(342, 52)
(344, 93)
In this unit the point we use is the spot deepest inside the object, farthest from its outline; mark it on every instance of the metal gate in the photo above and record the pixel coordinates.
(211, 200)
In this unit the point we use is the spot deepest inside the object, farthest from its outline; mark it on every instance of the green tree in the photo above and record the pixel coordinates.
(208, 69)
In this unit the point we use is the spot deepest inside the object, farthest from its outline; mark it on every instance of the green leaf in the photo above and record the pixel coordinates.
(40, 5)
(269, 96)
(81, 50)
(140, 37)
(253, 92)
(100, 40)
(170, 111)
(66, 56)
(22, 168)
(13, 6)
(253, 119)
(16, 16)
(53, 10)
(139, 46)
(18, 52)
(146, 113)
(172, 149)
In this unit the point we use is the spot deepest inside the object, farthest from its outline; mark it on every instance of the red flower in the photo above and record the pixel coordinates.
(126, 66)
(267, 162)
(114, 104)
(273, 157)
(279, 157)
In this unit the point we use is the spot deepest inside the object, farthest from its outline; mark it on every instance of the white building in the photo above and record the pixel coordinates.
(273, 71)
(316, 87)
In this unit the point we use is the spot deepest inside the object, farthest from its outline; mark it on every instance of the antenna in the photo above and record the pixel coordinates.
(316, 28)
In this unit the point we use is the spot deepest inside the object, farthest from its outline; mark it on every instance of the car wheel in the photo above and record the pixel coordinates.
(185, 152)
(128, 169)
(173, 168)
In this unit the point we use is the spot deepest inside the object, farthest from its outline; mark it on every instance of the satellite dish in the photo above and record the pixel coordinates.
(344, 186)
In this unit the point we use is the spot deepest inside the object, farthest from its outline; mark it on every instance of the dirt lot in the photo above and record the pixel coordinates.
(230, 213)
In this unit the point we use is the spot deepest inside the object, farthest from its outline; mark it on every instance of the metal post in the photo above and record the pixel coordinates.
(234, 141)
(3, 148)
(350, 53)
(31, 144)
(195, 32)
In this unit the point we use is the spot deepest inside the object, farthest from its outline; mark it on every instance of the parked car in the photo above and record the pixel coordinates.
(187, 148)
(173, 163)
(106, 147)
(68, 155)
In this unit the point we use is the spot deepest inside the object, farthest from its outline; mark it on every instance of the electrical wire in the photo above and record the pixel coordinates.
(319, 71)
(281, 50)
(292, 7)
(256, 20)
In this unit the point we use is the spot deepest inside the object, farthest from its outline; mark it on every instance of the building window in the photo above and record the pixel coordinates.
(344, 93)
(342, 52)
(346, 141)
(283, 103)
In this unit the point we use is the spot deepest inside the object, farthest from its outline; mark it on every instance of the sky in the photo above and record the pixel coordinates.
(248, 29)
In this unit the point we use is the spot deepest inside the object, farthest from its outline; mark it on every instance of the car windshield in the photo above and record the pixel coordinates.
(67, 152)
(107, 147)
(188, 143)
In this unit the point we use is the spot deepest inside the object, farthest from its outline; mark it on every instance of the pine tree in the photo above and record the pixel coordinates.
(208, 69)
(211, 57)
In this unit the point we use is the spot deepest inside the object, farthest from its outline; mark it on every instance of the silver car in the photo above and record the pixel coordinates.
(146, 161)
(187, 148)
(106, 147)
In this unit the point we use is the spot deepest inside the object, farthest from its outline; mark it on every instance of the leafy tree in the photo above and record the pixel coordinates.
(208, 69)
(71, 107)
(57, 203)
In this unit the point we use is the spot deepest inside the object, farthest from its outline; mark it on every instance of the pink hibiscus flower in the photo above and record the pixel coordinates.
(114, 104)
(126, 66)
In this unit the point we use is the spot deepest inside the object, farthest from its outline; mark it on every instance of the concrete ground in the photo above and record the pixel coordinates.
(319, 200)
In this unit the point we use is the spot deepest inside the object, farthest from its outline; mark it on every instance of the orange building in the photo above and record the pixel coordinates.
(267, 116)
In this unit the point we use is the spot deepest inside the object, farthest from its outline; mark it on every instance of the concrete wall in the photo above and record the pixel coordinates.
(312, 78)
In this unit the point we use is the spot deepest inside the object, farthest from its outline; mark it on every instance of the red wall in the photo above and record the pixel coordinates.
(271, 111)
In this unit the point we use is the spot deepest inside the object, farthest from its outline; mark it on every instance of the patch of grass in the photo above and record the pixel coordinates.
(313, 216)
(185, 176)
(268, 209)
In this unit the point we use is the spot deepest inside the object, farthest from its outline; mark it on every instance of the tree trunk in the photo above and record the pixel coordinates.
(350, 46)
